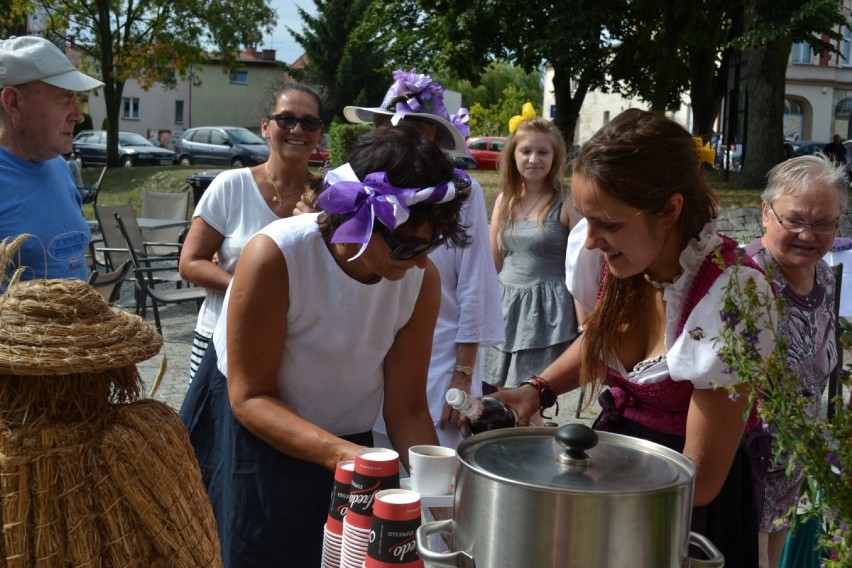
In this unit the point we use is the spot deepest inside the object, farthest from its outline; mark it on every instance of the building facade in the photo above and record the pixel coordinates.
(221, 98)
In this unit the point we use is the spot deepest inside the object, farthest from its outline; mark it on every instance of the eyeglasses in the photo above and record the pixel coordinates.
(288, 121)
(409, 250)
(821, 228)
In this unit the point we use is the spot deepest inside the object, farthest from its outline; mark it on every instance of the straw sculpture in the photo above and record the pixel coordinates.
(89, 474)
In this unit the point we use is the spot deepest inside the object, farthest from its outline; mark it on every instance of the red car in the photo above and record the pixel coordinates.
(486, 151)
(321, 154)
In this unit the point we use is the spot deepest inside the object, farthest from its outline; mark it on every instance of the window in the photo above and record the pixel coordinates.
(606, 116)
(218, 137)
(179, 112)
(130, 108)
(239, 78)
(802, 52)
(846, 48)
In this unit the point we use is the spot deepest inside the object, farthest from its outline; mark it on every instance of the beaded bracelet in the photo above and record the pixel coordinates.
(546, 394)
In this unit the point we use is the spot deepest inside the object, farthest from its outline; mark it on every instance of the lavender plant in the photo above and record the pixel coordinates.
(820, 446)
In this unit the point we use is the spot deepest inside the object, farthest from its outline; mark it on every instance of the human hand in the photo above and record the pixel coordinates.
(450, 415)
(524, 400)
(304, 205)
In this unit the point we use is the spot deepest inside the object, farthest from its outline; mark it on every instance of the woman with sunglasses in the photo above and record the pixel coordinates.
(242, 201)
(802, 204)
(328, 322)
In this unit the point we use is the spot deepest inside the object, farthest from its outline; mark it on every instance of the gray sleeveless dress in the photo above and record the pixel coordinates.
(538, 310)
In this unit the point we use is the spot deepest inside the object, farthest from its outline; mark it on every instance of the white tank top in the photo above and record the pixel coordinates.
(338, 331)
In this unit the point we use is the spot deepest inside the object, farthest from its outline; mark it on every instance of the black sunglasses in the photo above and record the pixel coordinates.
(407, 251)
(288, 121)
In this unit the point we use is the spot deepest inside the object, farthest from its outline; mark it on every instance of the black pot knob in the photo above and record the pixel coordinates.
(576, 438)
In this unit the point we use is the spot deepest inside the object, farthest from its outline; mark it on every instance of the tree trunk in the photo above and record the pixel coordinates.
(568, 107)
(112, 89)
(764, 140)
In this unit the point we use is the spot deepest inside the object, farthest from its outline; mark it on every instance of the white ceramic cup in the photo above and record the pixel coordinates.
(432, 469)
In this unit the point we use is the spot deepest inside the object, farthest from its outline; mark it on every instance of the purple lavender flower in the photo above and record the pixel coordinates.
(731, 316)
(697, 333)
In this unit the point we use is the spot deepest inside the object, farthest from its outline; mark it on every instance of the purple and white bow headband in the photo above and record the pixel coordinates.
(374, 198)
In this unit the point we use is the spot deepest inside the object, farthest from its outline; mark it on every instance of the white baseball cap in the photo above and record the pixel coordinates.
(31, 58)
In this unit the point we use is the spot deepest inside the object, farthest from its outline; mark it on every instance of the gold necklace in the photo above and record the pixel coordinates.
(277, 198)
(527, 215)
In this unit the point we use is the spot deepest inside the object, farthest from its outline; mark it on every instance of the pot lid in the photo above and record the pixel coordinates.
(597, 462)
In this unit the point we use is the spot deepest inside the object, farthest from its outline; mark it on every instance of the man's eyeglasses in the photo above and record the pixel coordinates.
(409, 250)
(822, 228)
(288, 121)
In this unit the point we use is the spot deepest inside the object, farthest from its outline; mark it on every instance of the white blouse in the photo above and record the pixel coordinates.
(692, 356)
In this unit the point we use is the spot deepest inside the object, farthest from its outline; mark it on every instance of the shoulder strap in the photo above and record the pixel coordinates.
(707, 274)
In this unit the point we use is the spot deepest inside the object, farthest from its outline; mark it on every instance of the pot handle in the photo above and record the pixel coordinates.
(454, 559)
(714, 557)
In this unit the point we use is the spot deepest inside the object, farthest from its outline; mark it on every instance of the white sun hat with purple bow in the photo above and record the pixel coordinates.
(417, 95)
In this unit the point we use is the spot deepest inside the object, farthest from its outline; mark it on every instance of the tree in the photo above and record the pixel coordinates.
(772, 26)
(500, 94)
(148, 40)
(465, 37)
(351, 71)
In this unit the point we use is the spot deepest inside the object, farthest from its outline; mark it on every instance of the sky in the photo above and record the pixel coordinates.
(287, 50)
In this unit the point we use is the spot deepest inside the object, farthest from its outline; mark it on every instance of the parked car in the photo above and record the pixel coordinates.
(90, 149)
(464, 162)
(486, 150)
(221, 145)
(321, 153)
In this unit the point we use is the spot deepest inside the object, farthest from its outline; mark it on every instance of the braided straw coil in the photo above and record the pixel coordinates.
(62, 327)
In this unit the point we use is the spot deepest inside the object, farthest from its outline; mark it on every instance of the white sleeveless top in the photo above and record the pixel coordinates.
(338, 331)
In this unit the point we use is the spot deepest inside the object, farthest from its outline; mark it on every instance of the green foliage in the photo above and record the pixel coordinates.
(798, 20)
(352, 70)
(494, 120)
(85, 125)
(342, 138)
(821, 447)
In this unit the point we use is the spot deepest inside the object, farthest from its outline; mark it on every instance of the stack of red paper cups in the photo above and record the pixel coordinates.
(393, 531)
(333, 539)
(375, 469)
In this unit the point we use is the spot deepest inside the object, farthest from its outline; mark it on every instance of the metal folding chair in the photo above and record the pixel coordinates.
(147, 271)
(108, 284)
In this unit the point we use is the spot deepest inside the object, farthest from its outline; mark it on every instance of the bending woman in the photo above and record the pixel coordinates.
(326, 313)
(643, 264)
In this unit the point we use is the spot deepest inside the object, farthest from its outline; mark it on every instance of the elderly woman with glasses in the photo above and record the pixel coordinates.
(802, 204)
(240, 202)
(327, 323)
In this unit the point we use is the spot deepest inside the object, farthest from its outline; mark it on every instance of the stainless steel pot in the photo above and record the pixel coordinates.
(568, 498)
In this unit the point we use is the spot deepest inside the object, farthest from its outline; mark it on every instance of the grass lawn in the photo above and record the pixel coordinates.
(125, 185)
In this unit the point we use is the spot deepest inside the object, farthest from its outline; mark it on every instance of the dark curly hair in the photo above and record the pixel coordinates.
(410, 161)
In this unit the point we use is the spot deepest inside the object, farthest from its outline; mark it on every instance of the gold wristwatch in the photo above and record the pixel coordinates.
(464, 369)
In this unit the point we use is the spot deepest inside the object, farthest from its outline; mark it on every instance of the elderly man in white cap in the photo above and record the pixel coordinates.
(38, 110)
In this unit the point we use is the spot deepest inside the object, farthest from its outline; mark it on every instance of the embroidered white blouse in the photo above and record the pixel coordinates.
(690, 356)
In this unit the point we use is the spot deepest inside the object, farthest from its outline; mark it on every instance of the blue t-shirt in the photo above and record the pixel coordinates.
(40, 199)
